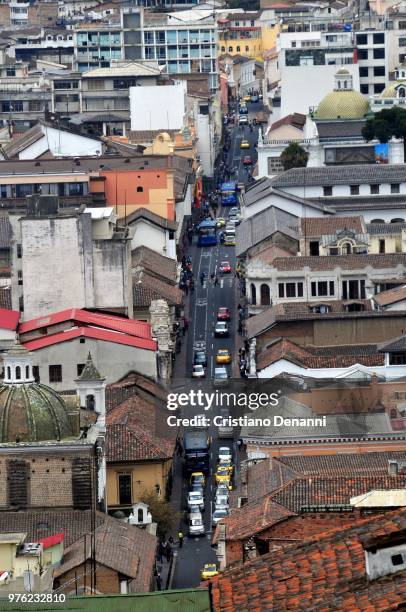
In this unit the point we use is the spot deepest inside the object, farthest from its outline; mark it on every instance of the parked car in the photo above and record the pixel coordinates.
(221, 330)
(197, 478)
(209, 570)
(221, 502)
(222, 489)
(223, 475)
(218, 515)
(195, 500)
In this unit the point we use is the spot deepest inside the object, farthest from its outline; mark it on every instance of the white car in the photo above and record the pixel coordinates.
(221, 502)
(217, 516)
(195, 500)
(196, 527)
(198, 371)
(225, 453)
(220, 376)
(222, 489)
(221, 329)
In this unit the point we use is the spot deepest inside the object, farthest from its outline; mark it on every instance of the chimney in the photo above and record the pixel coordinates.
(393, 468)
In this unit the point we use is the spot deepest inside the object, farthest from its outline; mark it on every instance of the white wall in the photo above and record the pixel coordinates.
(154, 237)
(183, 208)
(62, 143)
(284, 366)
(305, 86)
(289, 206)
(205, 148)
(158, 108)
(112, 360)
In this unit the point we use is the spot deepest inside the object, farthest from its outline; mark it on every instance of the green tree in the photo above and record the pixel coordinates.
(294, 156)
(161, 511)
(388, 123)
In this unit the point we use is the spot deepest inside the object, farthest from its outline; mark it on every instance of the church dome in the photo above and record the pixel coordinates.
(29, 411)
(343, 102)
(397, 89)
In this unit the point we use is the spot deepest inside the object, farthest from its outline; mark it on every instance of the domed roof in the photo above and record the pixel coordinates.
(31, 412)
(391, 91)
(343, 71)
(344, 104)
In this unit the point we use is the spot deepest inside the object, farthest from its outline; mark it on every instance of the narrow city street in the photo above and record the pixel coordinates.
(204, 304)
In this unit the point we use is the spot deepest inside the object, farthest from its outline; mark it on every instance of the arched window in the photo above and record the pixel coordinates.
(253, 294)
(140, 189)
(238, 49)
(230, 49)
(27, 371)
(8, 372)
(90, 403)
(223, 49)
(346, 248)
(402, 92)
(265, 295)
(18, 373)
(140, 518)
(247, 48)
(397, 220)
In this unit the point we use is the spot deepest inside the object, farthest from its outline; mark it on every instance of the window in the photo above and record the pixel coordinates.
(247, 48)
(253, 294)
(79, 368)
(140, 189)
(18, 373)
(346, 248)
(402, 41)
(364, 89)
(353, 290)
(90, 402)
(238, 48)
(230, 49)
(327, 191)
(281, 290)
(395, 188)
(397, 358)
(382, 245)
(17, 481)
(363, 54)
(290, 290)
(378, 87)
(322, 288)
(124, 489)
(8, 372)
(95, 84)
(374, 189)
(379, 71)
(379, 53)
(27, 371)
(265, 295)
(354, 189)
(223, 49)
(321, 308)
(20, 277)
(362, 39)
(55, 373)
(314, 248)
(35, 373)
(363, 72)
(379, 39)
(293, 43)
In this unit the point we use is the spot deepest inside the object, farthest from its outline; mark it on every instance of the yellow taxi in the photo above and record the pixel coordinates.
(223, 475)
(223, 356)
(226, 463)
(247, 98)
(244, 144)
(229, 241)
(220, 222)
(197, 478)
(209, 570)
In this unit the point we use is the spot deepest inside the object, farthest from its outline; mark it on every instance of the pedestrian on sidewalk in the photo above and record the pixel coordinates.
(180, 536)
(185, 325)
(168, 552)
(161, 552)
(158, 582)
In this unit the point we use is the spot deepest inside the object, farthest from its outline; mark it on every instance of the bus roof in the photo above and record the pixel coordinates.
(230, 186)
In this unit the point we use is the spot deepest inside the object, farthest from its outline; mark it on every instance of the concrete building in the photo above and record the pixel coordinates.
(163, 110)
(96, 46)
(183, 42)
(372, 54)
(241, 33)
(46, 44)
(152, 231)
(69, 260)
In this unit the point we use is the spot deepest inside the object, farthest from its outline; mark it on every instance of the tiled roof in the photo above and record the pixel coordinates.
(325, 572)
(129, 69)
(320, 356)
(264, 188)
(149, 136)
(144, 258)
(5, 233)
(342, 175)
(344, 464)
(266, 476)
(322, 226)
(144, 213)
(364, 203)
(391, 296)
(341, 129)
(296, 120)
(253, 518)
(261, 226)
(393, 346)
(124, 548)
(137, 431)
(151, 288)
(345, 262)
(385, 228)
(130, 385)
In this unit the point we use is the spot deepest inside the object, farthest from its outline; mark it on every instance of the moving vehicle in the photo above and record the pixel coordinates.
(243, 120)
(223, 314)
(221, 502)
(220, 222)
(225, 453)
(234, 210)
(195, 500)
(218, 515)
(220, 376)
(254, 99)
(196, 527)
(229, 240)
(244, 144)
(197, 456)
(225, 267)
(221, 330)
(209, 570)
(247, 98)
(197, 478)
(200, 358)
(226, 463)
(243, 110)
(228, 193)
(198, 371)
(197, 488)
(223, 356)
(223, 475)
(247, 160)
(222, 489)
(207, 235)
(225, 430)
(235, 220)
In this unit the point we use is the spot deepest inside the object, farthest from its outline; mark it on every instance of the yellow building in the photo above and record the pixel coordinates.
(139, 451)
(243, 34)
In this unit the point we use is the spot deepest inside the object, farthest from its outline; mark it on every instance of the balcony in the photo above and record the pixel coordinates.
(64, 201)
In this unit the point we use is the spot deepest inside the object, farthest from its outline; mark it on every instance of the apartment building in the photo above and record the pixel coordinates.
(183, 43)
(47, 44)
(96, 46)
(241, 33)
(372, 57)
